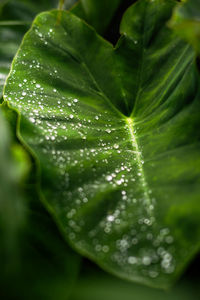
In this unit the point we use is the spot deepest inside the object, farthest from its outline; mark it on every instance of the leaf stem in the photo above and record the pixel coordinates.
(139, 160)
(61, 4)
(60, 7)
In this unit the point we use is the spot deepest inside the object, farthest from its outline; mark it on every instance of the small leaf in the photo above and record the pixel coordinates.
(116, 133)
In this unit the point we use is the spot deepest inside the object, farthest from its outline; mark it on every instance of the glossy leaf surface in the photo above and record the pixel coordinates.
(116, 133)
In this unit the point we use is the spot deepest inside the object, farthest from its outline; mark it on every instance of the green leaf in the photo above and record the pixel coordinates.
(14, 165)
(186, 22)
(34, 256)
(97, 13)
(98, 285)
(46, 267)
(116, 134)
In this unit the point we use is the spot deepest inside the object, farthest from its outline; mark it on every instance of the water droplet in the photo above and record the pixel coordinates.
(132, 260)
(109, 178)
(146, 260)
(108, 130)
(32, 120)
(110, 218)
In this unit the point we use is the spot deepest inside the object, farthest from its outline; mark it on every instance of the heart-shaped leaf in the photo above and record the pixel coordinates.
(116, 133)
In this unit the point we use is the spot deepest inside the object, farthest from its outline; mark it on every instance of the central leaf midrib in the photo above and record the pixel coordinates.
(130, 124)
(138, 156)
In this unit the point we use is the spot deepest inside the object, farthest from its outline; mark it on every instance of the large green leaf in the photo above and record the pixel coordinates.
(186, 22)
(116, 133)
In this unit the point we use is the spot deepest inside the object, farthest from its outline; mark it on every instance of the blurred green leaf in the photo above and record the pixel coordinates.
(94, 284)
(33, 255)
(47, 268)
(116, 134)
(186, 22)
(14, 165)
